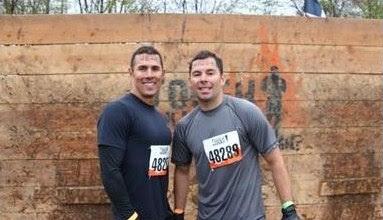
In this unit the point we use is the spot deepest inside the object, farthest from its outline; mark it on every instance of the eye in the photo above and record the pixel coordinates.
(210, 72)
(196, 73)
(142, 68)
(156, 68)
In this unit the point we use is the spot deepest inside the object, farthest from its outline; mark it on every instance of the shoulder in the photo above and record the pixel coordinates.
(184, 123)
(246, 111)
(241, 105)
(117, 108)
(188, 117)
(114, 106)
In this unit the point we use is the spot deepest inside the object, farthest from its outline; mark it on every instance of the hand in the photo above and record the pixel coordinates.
(289, 213)
(178, 216)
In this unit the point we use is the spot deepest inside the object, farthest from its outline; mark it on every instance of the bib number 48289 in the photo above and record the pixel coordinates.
(224, 153)
(222, 150)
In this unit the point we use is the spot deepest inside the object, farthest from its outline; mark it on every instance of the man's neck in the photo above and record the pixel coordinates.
(211, 104)
(147, 100)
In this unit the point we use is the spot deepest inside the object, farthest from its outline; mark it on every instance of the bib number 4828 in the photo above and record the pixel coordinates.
(159, 160)
(160, 164)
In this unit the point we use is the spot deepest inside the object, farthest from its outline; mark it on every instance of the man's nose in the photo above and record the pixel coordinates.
(203, 77)
(149, 73)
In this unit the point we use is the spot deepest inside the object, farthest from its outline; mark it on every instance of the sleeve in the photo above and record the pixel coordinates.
(112, 131)
(181, 154)
(110, 161)
(261, 134)
(113, 126)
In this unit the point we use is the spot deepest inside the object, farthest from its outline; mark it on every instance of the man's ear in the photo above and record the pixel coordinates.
(189, 82)
(223, 79)
(130, 71)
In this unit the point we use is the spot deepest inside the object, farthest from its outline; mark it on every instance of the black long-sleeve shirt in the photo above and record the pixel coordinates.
(127, 130)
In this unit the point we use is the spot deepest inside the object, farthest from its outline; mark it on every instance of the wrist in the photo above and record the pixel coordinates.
(287, 204)
(179, 211)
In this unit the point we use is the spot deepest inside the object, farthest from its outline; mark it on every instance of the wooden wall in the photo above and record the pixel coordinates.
(57, 72)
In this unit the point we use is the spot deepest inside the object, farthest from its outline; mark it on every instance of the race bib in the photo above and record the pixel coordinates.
(159, 160)
(223, 149)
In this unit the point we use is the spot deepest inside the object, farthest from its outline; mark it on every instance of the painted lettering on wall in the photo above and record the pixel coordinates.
(274, 86)
(250, 91)
(182, 100)
(290, 142)
(178, 94)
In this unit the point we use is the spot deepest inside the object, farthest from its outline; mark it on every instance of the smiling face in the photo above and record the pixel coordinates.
(207, 82)
(147, 76)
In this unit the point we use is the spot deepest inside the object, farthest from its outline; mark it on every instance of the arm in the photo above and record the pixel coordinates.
(279, 173)
(110, 161)
(282, 183)
(181, 157)
(181, 185)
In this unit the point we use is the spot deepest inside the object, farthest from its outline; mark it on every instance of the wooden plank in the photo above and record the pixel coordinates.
(271, 29)
(353, 186)
(27, 173)
(21, 143)
(298, 87)
(82, 211)
(62, 88)
(82, 195)
(342, 166)
(330, 211)
(303, 114)
(330, 114)
(18, 142)
(328, 167)
(304, 191)
(19, 216)
(53, 117)
(74, 117)
(188, 28)
(330, 140)
(81, 172)
(111, 58)
(16, 89)
(27, 199)
(90, 29)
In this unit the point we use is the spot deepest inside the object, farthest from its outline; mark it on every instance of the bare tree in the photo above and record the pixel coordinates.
(33, 6)
(221, 6)
(339, 8)
(120, 6)
(346, 8)
(370, 8)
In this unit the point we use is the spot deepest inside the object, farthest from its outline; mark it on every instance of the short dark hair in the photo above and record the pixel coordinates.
(203, 54)
(145, 50)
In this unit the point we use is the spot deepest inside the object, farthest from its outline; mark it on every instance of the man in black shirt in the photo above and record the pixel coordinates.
(133, 143)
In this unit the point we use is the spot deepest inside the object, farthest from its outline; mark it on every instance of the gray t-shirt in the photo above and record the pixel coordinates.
(226, 143)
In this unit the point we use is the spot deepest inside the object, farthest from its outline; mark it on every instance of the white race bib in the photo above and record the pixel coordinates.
(223, 149)
(159, 160)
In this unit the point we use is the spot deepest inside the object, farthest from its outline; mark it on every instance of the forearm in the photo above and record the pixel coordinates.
(280, 175)
(181, 186)
(114, 183)
(282, 182)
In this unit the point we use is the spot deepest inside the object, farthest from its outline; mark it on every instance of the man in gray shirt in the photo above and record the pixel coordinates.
(225, 135)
